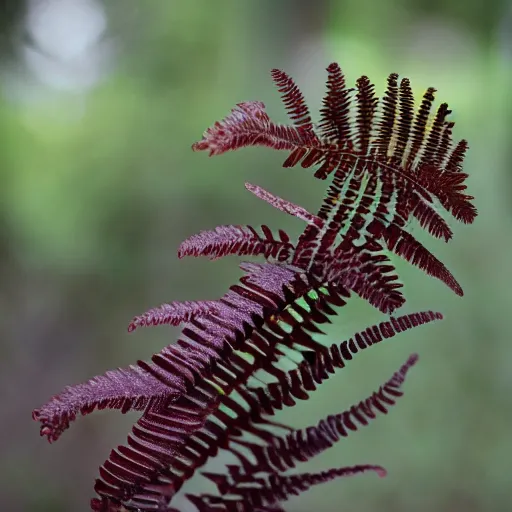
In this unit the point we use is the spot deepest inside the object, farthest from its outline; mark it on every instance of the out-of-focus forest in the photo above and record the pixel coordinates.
(100, 103)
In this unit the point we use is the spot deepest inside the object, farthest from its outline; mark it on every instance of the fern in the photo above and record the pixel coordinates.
(409, 158)
(259, 348)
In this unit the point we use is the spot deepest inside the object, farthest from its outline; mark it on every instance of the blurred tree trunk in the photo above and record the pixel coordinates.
(11, 17)
(289, 35)
(288, 23)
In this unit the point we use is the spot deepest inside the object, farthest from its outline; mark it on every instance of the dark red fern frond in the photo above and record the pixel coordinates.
(445, 143)
(173, 313)
(279, 454)
(178, 366)
(432, 146)
(456, 158)
(447, 186)
(420, 125)
(404, 120)
(308, 375)
(293, 100)
(255, 351)
(239, 240)
(401, 138)
(366, 107)
(230, 405)
(335, 112)
(406, 246)
(249, 125)
(369, 273)
(360, 138)
(125, 389)
(303, 444)
(386, 123)
(425, 213)
(270, 490)
(360, 257)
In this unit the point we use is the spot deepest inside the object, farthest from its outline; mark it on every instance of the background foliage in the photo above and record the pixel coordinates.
(99, 104)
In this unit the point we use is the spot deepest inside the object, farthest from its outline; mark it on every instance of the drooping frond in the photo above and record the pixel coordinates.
(162, 432)
(252, 381)
(239, 240)
(173, 313)
(178, 366)
(406, 246)
(448, 186)
(124, 389)
(281, 453)
(261, 491)
(277, 454)
(308, 374)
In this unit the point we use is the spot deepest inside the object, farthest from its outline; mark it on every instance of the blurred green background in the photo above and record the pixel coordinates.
(100, 103)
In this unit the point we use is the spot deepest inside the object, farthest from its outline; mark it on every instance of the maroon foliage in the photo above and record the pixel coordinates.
(239, 240)
(169, 458)
(257, 349)
(407, 158)
(260, 492)
(263, 483)
(125, 389)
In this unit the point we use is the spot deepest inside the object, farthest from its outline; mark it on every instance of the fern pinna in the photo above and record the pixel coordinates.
(259, 347)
